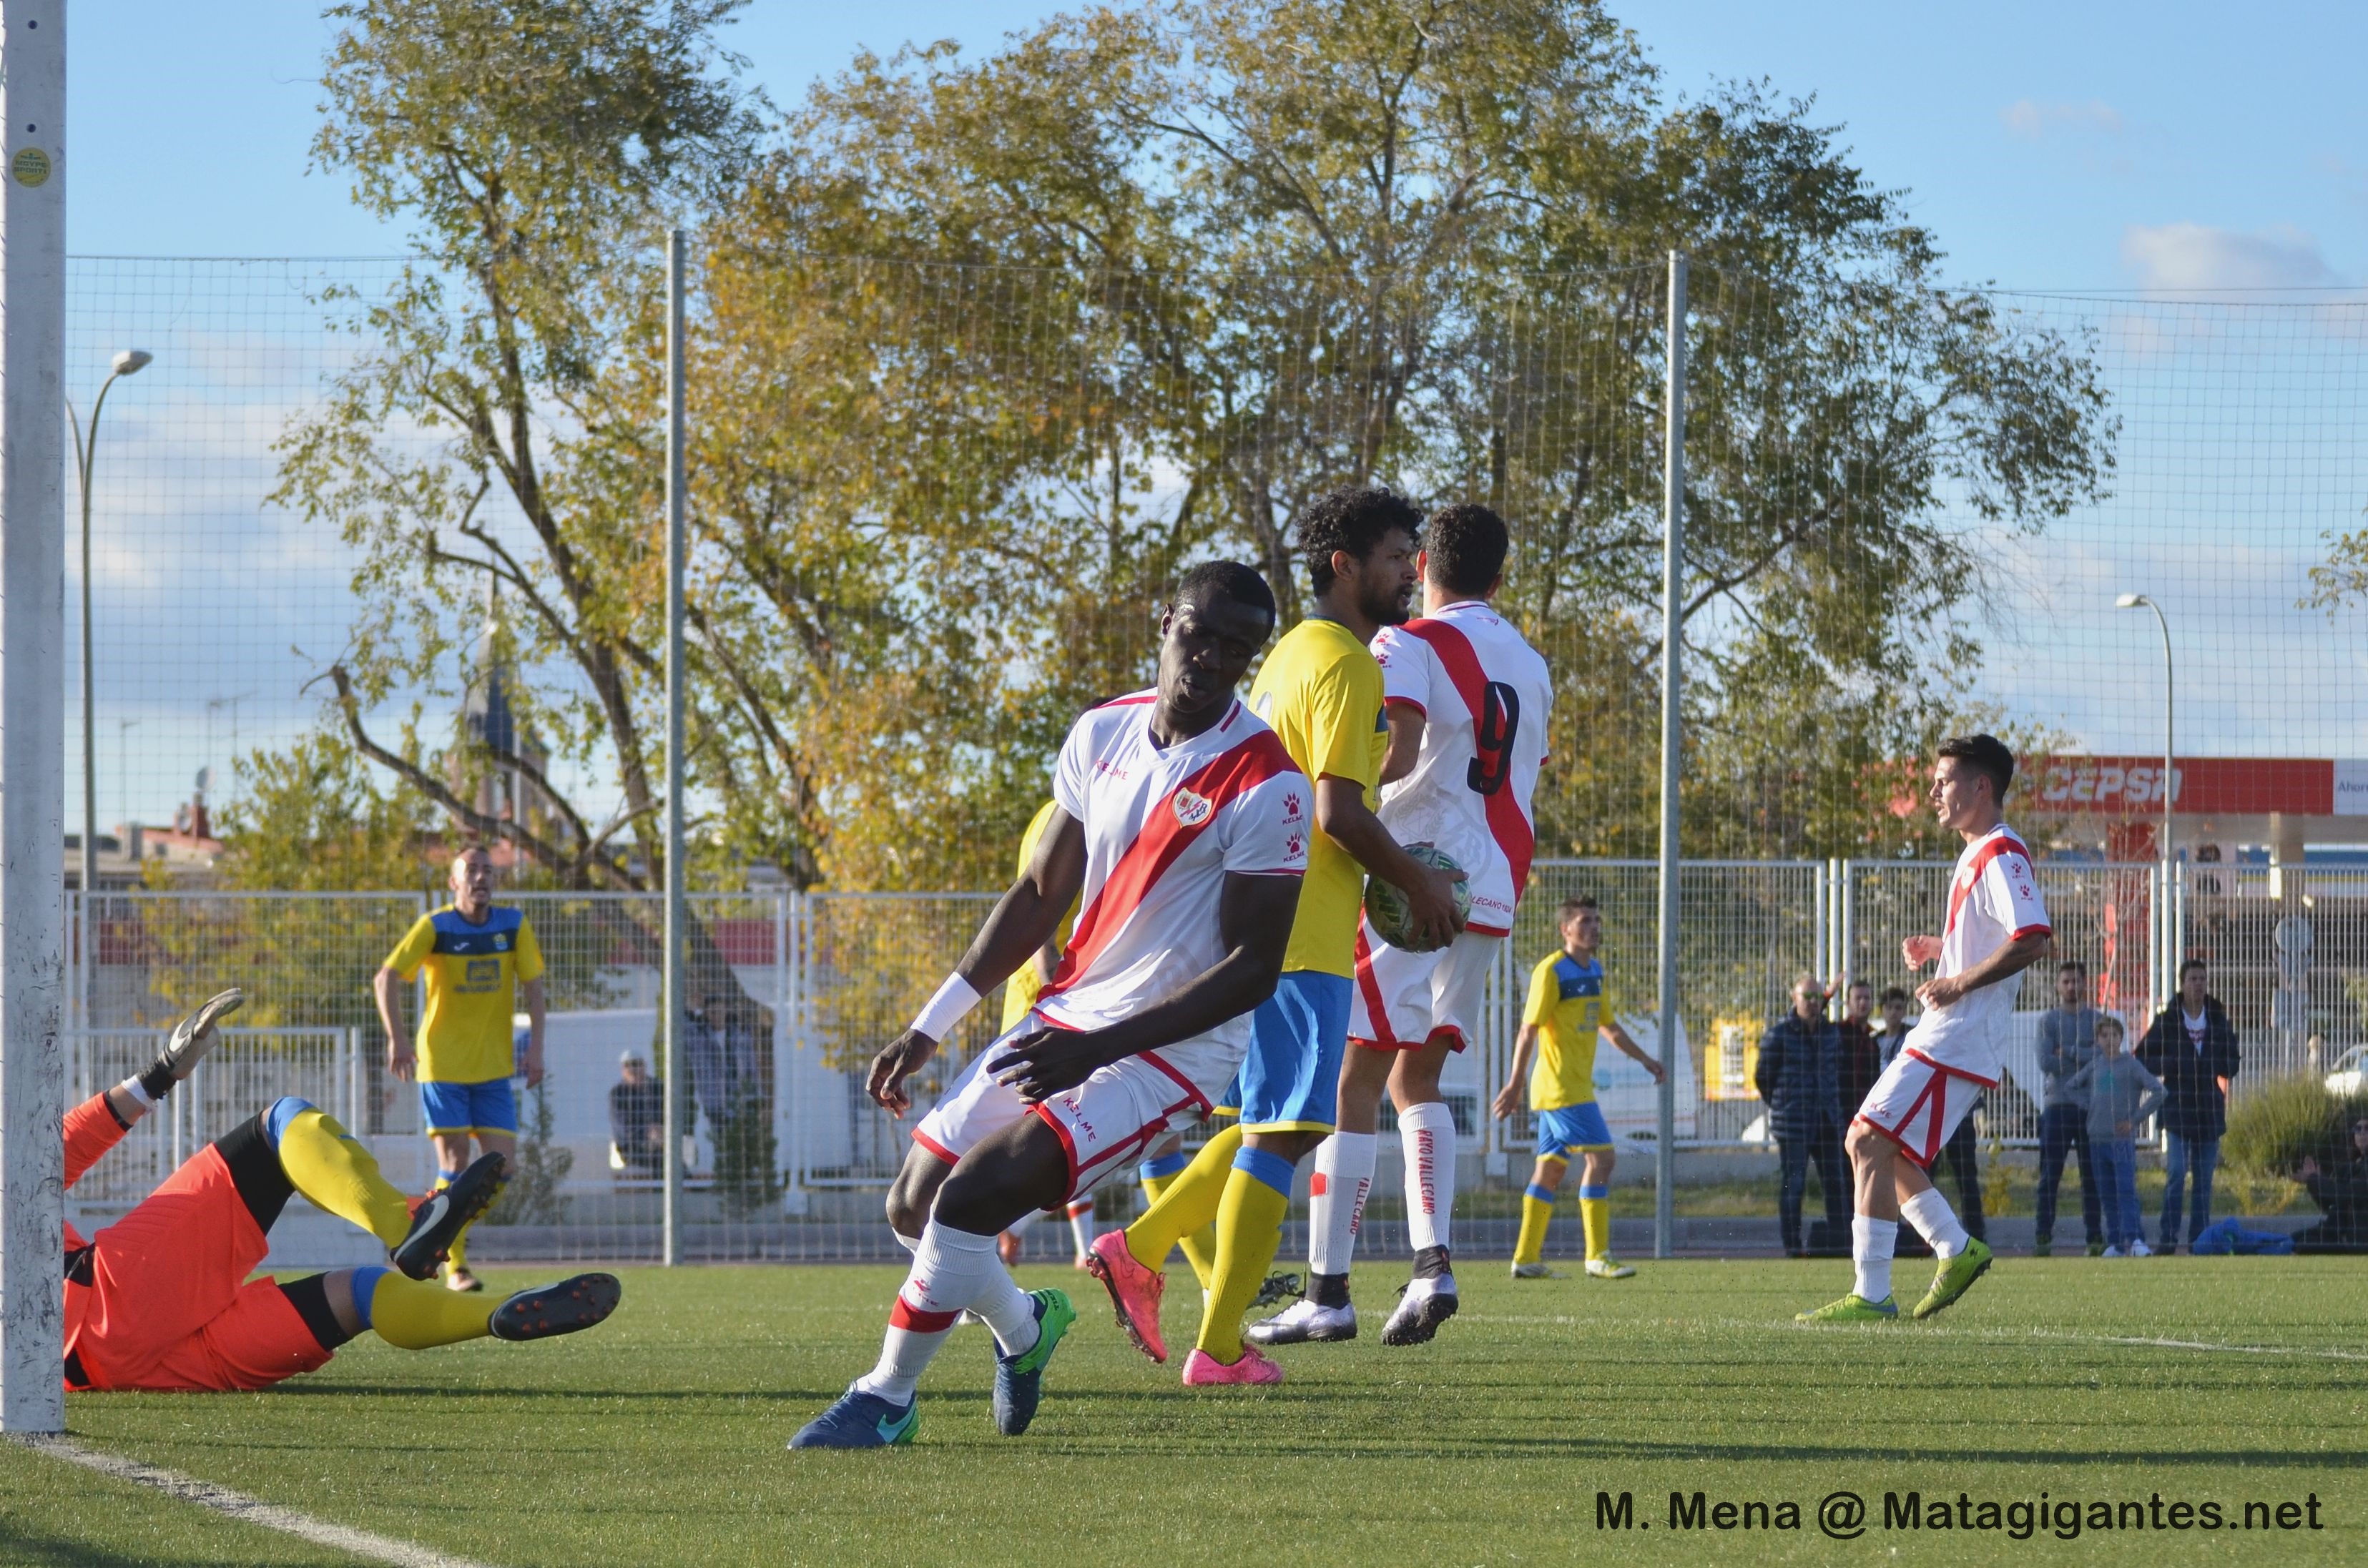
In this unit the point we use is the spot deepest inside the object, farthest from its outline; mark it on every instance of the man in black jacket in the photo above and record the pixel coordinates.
(2341, 1192)
(1798, 1077)
(2192, 1047)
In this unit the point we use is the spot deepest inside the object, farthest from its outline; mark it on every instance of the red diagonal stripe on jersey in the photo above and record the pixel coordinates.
(1507, 824)
(2003, 844)
(1220, 781)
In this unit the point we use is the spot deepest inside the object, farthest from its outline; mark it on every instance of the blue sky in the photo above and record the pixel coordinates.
(2091, 145)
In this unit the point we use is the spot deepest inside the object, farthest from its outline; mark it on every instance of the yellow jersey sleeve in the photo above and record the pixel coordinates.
(1545, 995)
(527, 960)
(412, 951)
(1343, 702)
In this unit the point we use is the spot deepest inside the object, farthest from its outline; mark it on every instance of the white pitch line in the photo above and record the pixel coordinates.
(239, 1505)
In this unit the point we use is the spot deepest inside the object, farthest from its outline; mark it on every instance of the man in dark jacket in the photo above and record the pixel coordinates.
(1861, 1059)
(2192, 1048)
(1799, 1080)
(637, 1119)
(2341, 1193)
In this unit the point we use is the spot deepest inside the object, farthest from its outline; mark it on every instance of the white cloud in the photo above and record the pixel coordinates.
(2031, 120)
(2196, 255)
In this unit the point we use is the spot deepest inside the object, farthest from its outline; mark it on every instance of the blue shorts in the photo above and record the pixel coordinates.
(1290, 1081)
(1570, 1127)
(470, 1108)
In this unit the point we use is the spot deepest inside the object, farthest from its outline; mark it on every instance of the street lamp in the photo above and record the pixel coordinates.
(2168, 976)
(127, 362)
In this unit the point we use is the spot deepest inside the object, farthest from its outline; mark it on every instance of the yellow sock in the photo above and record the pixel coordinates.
(1249, 1232)
(1537, 1213)
(416, 1314)
(336, 1175)
(1595, 1213)
(1189, 1202)
(1201, 1251)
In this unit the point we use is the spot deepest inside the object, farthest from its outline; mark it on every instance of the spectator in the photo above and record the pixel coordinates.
(1862, 1060)
(2192, 1048)
(2119, 1094)
(2068, 1042)
(1959, 1152)
(1798, 1077)
(1892, 1033)
(2343, 1194)
(722, 1056)
(637, 1118)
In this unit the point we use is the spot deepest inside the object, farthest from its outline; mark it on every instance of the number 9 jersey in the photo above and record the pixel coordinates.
(1484, 695)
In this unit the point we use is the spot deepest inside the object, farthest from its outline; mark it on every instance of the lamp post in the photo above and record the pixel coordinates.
(128, 362)
(2166, 977)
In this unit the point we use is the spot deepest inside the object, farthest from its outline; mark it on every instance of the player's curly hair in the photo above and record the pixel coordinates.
(1352, 518)
(1467, 545)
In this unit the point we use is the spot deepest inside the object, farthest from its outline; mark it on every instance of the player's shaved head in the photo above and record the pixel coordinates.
(1212, 580)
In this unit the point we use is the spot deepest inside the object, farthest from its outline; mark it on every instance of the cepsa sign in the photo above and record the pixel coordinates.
(2115, 786)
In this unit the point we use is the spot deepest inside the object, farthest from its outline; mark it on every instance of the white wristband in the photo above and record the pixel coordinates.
(952, 1002)
(139, 1091)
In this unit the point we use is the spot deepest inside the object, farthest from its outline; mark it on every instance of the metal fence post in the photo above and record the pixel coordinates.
(675, 914)
(1845, 923)
(1673, 557)
(33, 980)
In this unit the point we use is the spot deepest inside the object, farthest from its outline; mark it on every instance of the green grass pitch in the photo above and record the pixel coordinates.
(658, 1439)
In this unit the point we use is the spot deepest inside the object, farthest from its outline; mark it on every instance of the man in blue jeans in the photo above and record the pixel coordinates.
(2068, 1042)
(2192, 1047)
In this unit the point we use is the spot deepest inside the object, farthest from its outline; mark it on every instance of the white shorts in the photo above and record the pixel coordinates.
(1402, 999)
(1918, 1102)
(1104, 1123)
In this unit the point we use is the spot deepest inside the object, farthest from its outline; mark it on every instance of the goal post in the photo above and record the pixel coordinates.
(32, 714)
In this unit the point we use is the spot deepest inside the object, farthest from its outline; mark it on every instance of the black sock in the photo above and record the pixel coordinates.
(254, 1170)
(1328, 1290)
(310, 1297)
(1430, 1263)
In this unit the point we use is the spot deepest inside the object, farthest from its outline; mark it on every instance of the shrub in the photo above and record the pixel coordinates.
(2272, 1128)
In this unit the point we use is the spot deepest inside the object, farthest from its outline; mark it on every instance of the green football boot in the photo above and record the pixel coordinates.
(1956, 1277)
(1020, 1379)
(1852, 1308)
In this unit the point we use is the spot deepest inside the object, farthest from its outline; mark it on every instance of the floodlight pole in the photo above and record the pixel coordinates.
(675, 913)
(1673, 564)
(32, 715)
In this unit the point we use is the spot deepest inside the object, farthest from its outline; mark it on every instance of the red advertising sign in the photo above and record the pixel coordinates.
(2201, 786)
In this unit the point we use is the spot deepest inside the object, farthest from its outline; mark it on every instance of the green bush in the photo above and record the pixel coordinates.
(2273, 1127)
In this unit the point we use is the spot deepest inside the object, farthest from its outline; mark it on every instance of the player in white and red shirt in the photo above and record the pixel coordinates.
(1997, 927)
(1183, 824)
(1467, 700)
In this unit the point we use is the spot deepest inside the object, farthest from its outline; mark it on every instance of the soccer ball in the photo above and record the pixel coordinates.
(1386, 907)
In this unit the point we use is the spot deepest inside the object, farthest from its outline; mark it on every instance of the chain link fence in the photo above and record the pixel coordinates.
(786, 1157)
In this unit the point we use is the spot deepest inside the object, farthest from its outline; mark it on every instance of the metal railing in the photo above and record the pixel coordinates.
(786, 1155)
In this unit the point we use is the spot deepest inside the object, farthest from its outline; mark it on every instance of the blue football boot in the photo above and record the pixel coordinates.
(1020, 1379)
(860, 1420)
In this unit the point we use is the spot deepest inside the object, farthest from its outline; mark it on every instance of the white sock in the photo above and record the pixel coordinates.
(1082, 1229)
(1871, 1243)
(1344, 1177)
(910, 1244)
(953, 1270)
(1936, 1222)
(1428, 1132)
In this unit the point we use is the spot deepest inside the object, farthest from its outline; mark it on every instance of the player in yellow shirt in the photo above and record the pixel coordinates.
(480, 961)
(1567, 1010)
(1321, 690)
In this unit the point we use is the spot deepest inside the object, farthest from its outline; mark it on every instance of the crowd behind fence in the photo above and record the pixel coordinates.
(786, 1157)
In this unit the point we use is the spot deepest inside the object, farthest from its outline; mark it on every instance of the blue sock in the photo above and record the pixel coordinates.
(1265, 1165)
(1163, 1167)
(284, 1109)
(1586, 1192)
(365, 1287)
(1545, 1194)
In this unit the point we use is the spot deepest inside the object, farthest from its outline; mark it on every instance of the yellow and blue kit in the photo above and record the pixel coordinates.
(1019, 991)
(1321, 692)
(466, 1052)
(1569, 1008)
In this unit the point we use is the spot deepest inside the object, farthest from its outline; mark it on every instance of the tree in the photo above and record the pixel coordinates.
(997, 344)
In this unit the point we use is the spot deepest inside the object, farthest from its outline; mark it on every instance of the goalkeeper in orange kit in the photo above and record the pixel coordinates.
(161, 1300)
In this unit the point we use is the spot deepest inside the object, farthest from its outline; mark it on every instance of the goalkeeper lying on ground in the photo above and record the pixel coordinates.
(160, 1298)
